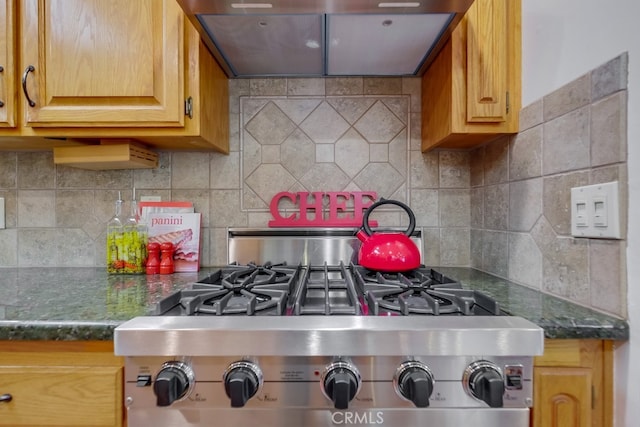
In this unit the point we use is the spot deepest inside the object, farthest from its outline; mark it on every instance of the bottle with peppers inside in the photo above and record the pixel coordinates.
(126, 241)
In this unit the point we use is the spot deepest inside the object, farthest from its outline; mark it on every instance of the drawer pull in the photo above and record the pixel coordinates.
(6, 397)
(28, 70)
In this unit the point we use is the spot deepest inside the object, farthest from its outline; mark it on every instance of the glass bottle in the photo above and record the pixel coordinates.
(135, 238)
(115, 243)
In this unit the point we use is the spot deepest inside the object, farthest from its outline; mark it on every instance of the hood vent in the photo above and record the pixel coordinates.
(313, 38)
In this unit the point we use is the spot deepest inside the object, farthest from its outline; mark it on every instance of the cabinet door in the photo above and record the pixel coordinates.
(487, 61)
(7, 53)
(562, 397)
(102, 62)
(62, 396)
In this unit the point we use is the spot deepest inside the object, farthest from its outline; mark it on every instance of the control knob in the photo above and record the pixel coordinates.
(484, 381)
(174, 382)
(414, 382)
(340, 383)
(242, 380)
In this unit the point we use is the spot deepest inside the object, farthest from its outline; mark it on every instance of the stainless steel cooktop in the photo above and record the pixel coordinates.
(300, 335)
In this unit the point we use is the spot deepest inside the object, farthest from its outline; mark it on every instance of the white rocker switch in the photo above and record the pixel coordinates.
(600, 211)
(581, 214)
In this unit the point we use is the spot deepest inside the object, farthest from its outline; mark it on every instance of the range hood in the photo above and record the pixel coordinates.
(313, 38)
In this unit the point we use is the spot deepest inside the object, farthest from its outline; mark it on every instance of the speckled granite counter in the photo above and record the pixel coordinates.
(87, 304)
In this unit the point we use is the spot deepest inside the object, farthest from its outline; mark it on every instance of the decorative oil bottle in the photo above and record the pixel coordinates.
(135, 240)
(115, 240)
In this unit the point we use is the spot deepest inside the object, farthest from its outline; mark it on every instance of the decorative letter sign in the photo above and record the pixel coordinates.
(308, 208)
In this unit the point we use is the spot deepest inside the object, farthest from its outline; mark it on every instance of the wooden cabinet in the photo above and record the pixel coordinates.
(573, 384)
(62, 384)
(97, 69)
(95, 62)
(471, 93)
(7, 55)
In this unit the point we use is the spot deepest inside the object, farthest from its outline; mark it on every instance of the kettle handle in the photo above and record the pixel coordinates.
(407, 209)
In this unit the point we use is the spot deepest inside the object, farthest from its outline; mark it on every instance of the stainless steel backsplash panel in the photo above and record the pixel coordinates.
(314, 246)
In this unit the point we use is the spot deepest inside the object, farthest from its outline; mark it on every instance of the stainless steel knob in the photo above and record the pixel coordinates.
(242, 380)
(174, 382)
(341, 382)
(484, 381)
(414, 381)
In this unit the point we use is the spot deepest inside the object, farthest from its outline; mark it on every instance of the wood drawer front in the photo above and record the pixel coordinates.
(61, 396)
(576, 353)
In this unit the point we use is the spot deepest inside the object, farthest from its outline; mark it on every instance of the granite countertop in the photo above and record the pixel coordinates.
(87, 303)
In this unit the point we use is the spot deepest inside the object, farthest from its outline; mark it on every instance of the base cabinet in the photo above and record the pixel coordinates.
(80, 384)
(573, 385)
(54, 384)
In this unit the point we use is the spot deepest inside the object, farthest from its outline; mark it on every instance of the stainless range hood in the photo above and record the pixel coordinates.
(311, 38)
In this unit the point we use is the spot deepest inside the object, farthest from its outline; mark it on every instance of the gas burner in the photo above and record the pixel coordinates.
(236, 290)
(421, 277)
(419, 292)
(279, 289)
(326, 290)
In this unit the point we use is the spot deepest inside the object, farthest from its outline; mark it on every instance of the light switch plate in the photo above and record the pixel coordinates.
(595, 211)
(2, 223)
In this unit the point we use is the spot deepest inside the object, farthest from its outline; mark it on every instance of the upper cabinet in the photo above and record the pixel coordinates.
(471, 93)
(7, 54)
(93, 62)
(96, 69)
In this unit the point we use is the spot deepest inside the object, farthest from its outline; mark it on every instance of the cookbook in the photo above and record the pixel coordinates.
(181, 229)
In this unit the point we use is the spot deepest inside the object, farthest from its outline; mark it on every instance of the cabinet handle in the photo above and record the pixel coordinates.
(1, 70)
(6, 398)
(29, 69)
(188, 107)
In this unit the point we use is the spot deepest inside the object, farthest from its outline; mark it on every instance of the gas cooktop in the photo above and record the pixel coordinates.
(282, 290)
(317, 340)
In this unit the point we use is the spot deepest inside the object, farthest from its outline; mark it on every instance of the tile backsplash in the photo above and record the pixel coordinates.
(329, 134)
(521, 190)
(502, 208)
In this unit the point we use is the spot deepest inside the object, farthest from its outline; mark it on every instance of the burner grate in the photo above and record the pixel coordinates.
(327, 290)
(236, 290)
(279, 289)
(422, 291)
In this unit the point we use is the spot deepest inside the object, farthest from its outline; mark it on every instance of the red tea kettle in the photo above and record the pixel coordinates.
(388, 251)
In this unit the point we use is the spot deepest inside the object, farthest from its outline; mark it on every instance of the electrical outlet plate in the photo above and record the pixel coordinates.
(595, 211)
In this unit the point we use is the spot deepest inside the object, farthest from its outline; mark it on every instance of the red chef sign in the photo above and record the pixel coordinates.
(321, 209)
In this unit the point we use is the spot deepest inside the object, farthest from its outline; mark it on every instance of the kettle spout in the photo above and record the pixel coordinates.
(362, 235)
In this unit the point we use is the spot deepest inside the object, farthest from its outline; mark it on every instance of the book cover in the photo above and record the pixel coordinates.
(146, 208)
(181, 229)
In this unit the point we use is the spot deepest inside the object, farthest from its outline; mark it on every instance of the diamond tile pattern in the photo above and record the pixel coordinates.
(298, 153)
(270, 125)
(324, 125)
(268, 180)
(352, 152)
(379, 124)
(380, 177)
(325, 143)
(323, 176)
